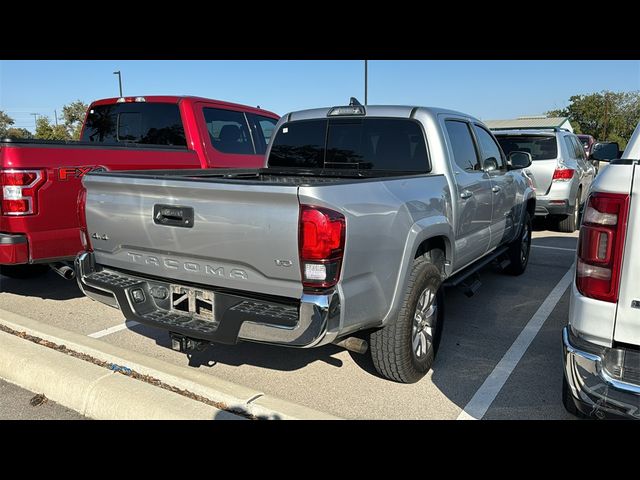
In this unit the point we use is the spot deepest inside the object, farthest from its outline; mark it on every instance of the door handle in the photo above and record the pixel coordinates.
(495, 189)
(466, 194)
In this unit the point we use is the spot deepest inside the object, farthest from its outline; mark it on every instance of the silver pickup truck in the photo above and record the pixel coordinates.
(360, 217)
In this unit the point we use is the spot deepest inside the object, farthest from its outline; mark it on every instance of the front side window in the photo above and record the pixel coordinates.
(262, 128)
(228, 131)
(464, 151)
(489, 148)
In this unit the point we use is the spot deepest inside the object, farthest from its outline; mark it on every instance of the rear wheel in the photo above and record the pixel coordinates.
(404, 350)
(572, 221)
(23, 271)
(519, 249)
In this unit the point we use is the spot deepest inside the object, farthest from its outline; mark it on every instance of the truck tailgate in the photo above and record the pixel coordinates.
(242, 237)
(627, 327)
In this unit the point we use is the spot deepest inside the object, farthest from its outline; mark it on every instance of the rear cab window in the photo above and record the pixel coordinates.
(373, 144)
(139, 122)
(541, 147)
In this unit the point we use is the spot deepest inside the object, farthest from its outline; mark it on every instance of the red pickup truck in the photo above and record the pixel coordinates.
(40, 180)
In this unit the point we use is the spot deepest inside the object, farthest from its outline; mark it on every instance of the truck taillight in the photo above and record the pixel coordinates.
(562, 174)
(600, 246)
(321, 246)
(19, 191)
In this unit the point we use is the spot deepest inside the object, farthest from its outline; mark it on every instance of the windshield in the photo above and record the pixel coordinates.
(387, 144)
(540, 147)
(585, 141)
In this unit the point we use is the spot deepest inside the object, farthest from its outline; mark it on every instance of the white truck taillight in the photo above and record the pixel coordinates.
(19, 191)
(321, 246)
(600, 246)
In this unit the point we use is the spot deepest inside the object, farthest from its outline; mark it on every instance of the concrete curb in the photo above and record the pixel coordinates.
(234, 396)
(94, 391)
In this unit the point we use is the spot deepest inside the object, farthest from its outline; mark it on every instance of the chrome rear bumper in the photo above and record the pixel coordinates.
(306, 322)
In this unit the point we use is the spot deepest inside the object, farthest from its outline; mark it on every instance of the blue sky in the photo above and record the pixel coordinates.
(486, 89)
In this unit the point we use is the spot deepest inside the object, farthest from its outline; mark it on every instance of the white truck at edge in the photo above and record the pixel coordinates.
(602, 341)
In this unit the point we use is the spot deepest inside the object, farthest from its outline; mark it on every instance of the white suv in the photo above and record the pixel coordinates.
(602, 340)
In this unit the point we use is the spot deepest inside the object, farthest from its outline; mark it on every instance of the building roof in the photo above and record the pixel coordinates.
(528, 122)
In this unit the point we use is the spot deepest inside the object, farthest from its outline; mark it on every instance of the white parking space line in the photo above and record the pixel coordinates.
(554, 248)
(488, 391)
(117, 328)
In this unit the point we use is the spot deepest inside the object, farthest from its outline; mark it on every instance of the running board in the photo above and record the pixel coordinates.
(468, 280)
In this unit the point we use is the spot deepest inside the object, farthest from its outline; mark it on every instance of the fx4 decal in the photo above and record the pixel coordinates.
(65, 173)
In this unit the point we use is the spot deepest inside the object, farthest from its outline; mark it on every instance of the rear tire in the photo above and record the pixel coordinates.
(404, 349)
(23, 271)
(571, 223)
(520, 248)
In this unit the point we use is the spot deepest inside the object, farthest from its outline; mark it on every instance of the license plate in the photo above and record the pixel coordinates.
(193, 301)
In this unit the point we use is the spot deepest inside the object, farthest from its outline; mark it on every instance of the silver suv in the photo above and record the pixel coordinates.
(561, 172)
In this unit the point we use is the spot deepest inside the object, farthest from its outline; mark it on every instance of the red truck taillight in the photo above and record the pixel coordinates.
(600, 246)
(19, 191)
(321, 246)
(562, 174)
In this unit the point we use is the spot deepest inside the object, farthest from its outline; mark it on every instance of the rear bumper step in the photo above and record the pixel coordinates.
(221, 317)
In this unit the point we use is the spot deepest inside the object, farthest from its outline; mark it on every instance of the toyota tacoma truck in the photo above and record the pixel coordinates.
(360, 216)
(602, 340)
(40, 180)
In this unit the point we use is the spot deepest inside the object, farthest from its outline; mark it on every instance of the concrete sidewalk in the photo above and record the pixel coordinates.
(100, 393)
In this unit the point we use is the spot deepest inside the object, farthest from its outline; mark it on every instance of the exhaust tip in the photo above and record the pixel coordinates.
(65, 271)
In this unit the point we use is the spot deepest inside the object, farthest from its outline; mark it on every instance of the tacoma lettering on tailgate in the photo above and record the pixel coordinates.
(193, 267)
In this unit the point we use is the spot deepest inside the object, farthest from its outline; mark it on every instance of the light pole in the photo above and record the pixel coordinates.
(366, 65)
(119, 81)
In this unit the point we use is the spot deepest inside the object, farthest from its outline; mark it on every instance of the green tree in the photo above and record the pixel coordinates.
(5, 122)
(609, 116)
(73, 115)
(46, 131)
(19, 133)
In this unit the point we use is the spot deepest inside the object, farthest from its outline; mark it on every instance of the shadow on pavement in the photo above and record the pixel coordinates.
(49, 286)
(248, 353)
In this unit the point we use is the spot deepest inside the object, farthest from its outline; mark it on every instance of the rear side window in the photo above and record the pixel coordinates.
(146, 123)
(385, 144)
(464, 151)
(228, 131)
(541, 147)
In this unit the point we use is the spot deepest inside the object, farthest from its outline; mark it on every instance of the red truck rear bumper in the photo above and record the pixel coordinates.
(14, 249)
(40, 247)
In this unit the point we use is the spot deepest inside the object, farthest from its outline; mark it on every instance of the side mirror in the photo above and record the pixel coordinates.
(490, 164)
(519, 160)
(605, 151)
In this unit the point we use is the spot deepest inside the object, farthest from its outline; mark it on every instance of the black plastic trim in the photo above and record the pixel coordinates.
(9, 239)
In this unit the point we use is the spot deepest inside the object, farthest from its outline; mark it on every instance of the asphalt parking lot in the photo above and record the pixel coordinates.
(471, 377)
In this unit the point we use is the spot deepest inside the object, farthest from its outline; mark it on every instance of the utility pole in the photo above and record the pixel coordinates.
(55, 113)
(366, 74)
(35, 119)
(119, 81)
(606, 115)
